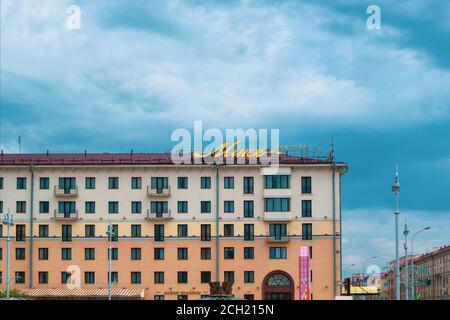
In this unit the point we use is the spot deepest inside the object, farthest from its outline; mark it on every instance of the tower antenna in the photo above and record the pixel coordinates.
(19, 144)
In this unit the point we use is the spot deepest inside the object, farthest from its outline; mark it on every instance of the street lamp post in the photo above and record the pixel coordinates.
(396, 190)
(8, 220)
(110, 233)
(413, 289)
(405, 245)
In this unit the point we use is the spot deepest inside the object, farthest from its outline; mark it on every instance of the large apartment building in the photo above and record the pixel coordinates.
(177, 227)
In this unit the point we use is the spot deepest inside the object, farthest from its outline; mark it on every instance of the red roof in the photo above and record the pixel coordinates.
(119, 159)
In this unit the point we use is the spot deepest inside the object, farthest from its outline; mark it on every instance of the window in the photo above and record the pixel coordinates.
(1, 183)
(159, 277)
(248, 185)
(228, 230)
(136, 207)
(306, 184)
(249, 253)
(67, 184)
(44, 207)
(89, 253)
(306, 231)
(158, 297)
(249, 230)
(228, 253)
(277, 230)
(66, 254)
(21, 183)
(228, 206)
(66, 233)
(135, 253)
(44, 183)
(228, 276)
(205, 232)
(182, 297)
(20, 277)
(159, 184)
(249, 276)
(159, 253)
(136, 183)
(306, 208)
(182, 253)
(205, 253)
(249, 296)
(182, 277)
(277, 253)
(89, 277)
(66, 207)
(43, 253)
(205, 276)
(277, 182)
(135, 277)
(43, 231)
(20, 253)
(159, 207)
(113, 207)
(205, 206)
(182, 206)
(90, 183)
(114, 277)
(248, 209)
(89, 231)
(182, 182)
(89, 207)
(65, 277)
(205, 182)
(113, 183)
(43, 277)
(277, 204)
(182, 230)
(20, 232)
(21, 206)
(228, 182)
(114, 253)
(1, 206)
(159, 232)
(136, 230)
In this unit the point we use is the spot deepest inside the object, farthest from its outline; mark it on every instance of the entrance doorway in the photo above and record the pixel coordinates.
(278, 285)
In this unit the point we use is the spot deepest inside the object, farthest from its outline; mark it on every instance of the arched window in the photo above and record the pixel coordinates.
(278, 279)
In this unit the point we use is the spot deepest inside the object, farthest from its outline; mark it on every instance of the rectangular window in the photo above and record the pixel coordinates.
(182, 297)
(21, 206)
(205, 276)
(205, 253)
(66, 254)
(159, 208)
(89, 277)
(182, 230)
(205, 182)
(158, 297)
(89, 253)
(228, 230)
(228, 253)
(159, 184)
(159, 253)
(182, 182)
(67, 184)
(228, 276)
(306, 231)
(306, 184)
(277, 204)
(113, 183)
(114, 277)
(228, 206)
(44, 183)
(90, 183)
(249, 232)
(136, 183)
(182, 253)
(20, 232)
(277, 253)
(159, 232)
(21, 183)
(43, 231)
(182, 206)
(249, 276)
(205, 232)
(89, 231)
(114, 254)
(1, 183)
(20, 253)
(136, 207)
(205, 206)
(65, 276)
(43, 253)
(159, 277)
(277, 230)
(249, 253)
(43, 277)
(182, 277)
(228, 182)
(136, 230)
(44, 207)
(89, 207)
(277, 182)
(135, 253)
(248, 185)
(135, 277)
(113, 207)
(66, 207)
(66, 233)
(115, 230)
(20, 276)
(306, 208)
(248, 209)
(249, 296)
(1, 206)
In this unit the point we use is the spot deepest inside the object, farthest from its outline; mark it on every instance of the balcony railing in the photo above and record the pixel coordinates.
(277, 216)
(66, 216)
(65, 192)
(158, 215)
(277, 238)
(159, 192)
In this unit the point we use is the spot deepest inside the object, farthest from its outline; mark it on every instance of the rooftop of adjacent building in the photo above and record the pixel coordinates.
(422, 256)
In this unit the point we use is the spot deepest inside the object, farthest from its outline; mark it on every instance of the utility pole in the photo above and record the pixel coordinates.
(413, 288)
(110, 233)
(396, 190)
(405, 245)
(8, 220)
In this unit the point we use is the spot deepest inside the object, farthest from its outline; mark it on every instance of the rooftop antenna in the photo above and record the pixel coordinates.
(19, 144)
(331, 154)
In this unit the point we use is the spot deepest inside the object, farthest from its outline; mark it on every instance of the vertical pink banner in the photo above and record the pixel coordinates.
(303, 268)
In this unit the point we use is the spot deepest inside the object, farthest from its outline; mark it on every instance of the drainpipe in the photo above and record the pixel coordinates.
(31, 225)
(340, 224)
(334, 230)
(217, 224)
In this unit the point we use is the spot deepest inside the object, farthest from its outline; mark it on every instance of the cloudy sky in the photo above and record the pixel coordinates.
(137, 70)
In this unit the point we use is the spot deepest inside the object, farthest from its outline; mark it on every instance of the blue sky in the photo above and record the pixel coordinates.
(137, 70)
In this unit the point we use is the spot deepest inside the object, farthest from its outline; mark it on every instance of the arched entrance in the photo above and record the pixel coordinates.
(278, 285)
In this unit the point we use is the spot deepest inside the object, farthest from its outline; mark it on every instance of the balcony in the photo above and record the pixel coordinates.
(65, 216)
(158, 215)
(277, 216)
(160, 192)
(65, 192)
(277, 238)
